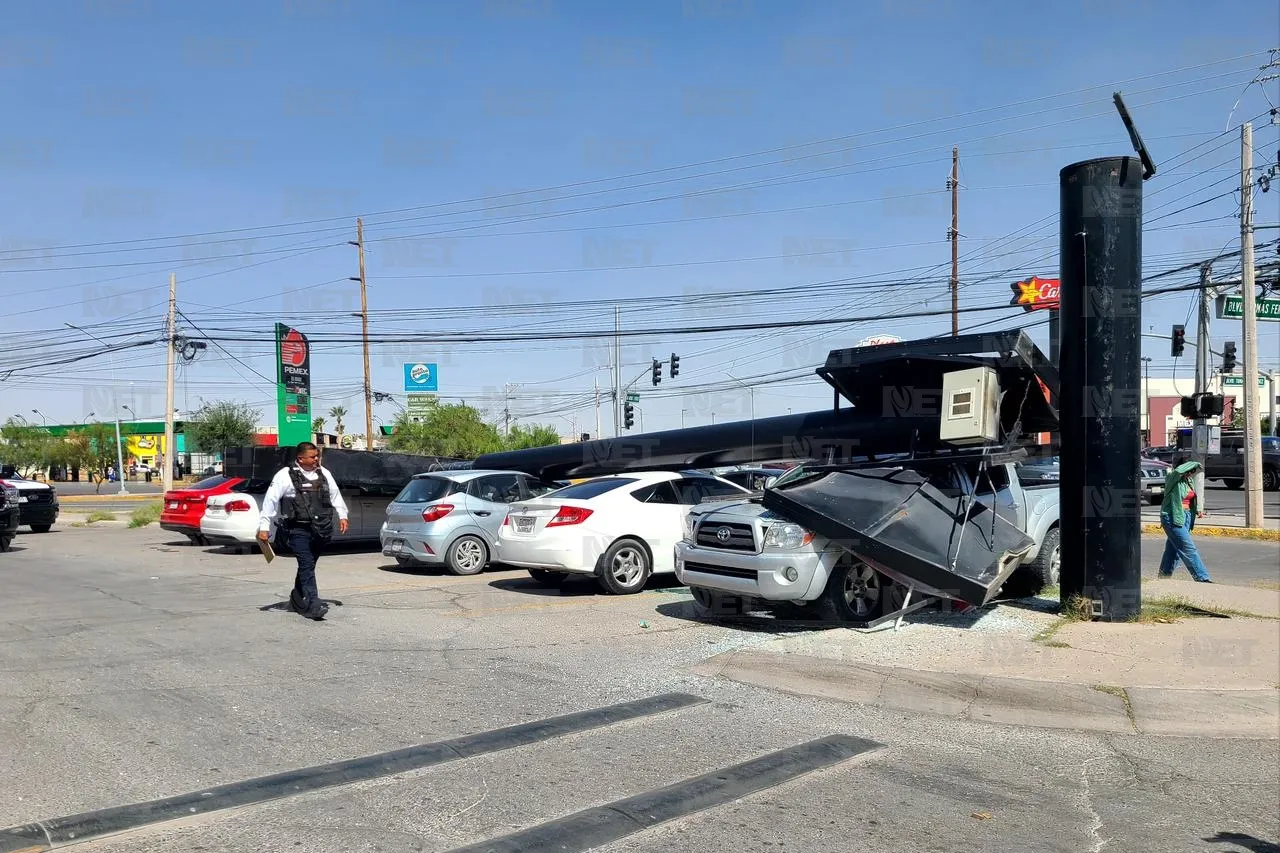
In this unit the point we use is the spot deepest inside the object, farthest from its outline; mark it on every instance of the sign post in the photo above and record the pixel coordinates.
(293, 386)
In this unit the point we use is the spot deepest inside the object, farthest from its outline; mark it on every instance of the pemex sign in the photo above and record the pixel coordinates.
(293, 385)
(1037, 294)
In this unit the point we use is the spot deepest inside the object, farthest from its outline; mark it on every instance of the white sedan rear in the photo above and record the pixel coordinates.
(623, 529)
(230, 519)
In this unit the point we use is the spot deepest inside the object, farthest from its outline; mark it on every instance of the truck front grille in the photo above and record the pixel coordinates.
(725, 571)
(739, 537)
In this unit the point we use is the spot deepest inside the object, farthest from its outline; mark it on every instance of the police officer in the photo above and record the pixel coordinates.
(301, 501)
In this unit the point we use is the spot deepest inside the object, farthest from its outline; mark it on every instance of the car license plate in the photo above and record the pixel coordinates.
(397, 546)
(524, 525)
(173, 504)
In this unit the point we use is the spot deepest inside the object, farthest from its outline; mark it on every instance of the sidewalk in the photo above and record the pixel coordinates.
(1023, 665)
(1218, 524)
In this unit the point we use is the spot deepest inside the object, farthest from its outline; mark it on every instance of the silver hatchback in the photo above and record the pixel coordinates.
(451, 518)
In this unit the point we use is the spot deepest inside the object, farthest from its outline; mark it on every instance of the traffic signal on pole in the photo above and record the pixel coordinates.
(675, 365)
(1179, 341)
(657, 371)
(1228, 356)
(628, 416)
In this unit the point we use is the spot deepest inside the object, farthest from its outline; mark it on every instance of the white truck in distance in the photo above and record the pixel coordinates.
(736, 551)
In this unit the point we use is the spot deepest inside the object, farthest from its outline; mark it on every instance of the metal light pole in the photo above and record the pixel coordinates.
(752, 394)
(114, 403)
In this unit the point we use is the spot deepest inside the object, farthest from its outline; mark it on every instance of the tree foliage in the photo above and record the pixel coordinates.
(217, 426)
(26, 447)
(93, 447)
(461, 432)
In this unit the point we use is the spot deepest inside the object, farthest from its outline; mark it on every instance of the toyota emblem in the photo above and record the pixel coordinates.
(723, 534)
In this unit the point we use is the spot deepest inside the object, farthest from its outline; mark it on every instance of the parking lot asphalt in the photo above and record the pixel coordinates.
(136, 667)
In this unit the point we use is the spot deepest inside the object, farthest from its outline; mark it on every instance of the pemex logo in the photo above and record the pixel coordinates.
(293, 349)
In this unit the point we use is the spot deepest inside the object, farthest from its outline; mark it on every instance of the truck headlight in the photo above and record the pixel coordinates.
(786, 537)
(689, 521)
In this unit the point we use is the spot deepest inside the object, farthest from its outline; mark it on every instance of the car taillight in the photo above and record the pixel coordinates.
(238, 506)
(437, 512)
(506, 520)
(569, 515)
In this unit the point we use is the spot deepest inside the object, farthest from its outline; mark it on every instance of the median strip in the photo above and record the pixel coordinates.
(598, 826)
(48, 834)
(1254, 533)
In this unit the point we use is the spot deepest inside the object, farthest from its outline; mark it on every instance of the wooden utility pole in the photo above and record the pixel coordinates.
(1249, 338)
(954, 234)
(171, 336)
(364, 334)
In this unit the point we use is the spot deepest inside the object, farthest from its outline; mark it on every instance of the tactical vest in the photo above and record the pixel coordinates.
(312, 504)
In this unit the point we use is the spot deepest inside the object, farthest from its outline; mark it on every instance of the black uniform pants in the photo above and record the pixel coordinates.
(308, 548)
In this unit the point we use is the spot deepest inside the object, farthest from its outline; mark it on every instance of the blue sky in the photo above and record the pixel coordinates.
(135, 126)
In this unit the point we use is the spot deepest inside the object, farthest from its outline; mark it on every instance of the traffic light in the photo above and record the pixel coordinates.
(675, 365)
(1228, 356)
(1179, 341)
(628, 416)
(657, 371)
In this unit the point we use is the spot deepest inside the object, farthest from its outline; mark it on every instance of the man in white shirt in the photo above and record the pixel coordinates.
(301, 501)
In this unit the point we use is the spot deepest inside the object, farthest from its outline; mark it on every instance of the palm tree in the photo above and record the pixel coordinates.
(338, 413)
(317, 425)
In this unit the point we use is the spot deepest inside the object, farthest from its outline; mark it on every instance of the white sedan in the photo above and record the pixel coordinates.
(231, 519)
(622, 528)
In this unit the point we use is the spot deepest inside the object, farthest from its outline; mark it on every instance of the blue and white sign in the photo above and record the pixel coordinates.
(420, 377)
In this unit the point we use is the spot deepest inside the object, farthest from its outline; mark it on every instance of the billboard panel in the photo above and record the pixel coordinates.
(293, 385)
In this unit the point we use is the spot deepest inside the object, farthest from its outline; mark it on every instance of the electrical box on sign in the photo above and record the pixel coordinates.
(970, 407)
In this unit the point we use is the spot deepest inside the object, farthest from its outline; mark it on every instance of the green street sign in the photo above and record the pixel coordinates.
(633, 398)
(1232, 308)
(1238, 381)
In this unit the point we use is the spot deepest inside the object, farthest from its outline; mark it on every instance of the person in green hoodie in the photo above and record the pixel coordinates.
(1178, 515)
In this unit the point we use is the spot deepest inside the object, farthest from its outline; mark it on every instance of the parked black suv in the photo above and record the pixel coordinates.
(8, 515)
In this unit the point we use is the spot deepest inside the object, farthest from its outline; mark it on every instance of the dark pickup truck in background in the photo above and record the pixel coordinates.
(1228, 464)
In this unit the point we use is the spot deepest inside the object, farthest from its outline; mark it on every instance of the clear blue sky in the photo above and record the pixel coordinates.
(134, 120)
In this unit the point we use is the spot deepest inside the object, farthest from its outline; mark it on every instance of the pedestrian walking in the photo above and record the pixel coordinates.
(1178, 515)
(301, 503)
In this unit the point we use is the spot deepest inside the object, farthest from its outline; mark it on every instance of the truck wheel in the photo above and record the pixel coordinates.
(855, 592)
(1271, 480)
(41, 528)
(545, 577)
(468, 555)
(709, 604)
(4, 542)
(1233, 484)
(1045, 571)
(625, 568)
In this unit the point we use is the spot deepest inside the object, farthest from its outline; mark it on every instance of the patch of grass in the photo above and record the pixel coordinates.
(1050, 592)
(1266, 585)
(1172, 608)
(99, 515)
(1123, 695)
(1077, 609)
(145, 514)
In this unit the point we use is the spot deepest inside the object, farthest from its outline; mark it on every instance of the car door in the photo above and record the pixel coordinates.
(659, 520)
(488, 499)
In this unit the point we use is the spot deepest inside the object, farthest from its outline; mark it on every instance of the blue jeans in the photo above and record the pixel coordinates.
(1178, 543)
(307, 548)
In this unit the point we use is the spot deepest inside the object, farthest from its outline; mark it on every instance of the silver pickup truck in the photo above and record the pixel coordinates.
(742, 550)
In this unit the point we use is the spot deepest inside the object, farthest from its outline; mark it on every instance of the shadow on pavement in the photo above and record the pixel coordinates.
(1248, 842)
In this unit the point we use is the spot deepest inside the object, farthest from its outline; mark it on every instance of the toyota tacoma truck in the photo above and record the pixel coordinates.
(743, 551)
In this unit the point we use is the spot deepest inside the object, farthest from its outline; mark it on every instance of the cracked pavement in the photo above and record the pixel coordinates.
(130, 673)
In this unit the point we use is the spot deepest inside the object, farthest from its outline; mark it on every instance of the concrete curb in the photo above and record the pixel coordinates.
(1172, 712)
(112, 498)
(1261, 535)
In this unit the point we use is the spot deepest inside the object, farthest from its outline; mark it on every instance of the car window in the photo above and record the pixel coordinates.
(591, 488)
(209, 483)
(709, 487)
(496, 488)
(422, 490)
(533, 487)
(658, 493)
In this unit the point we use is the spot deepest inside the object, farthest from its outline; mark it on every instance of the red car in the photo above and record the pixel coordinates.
(183, 508)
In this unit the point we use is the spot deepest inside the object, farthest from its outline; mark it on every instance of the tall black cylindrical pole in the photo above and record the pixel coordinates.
(1101, 299)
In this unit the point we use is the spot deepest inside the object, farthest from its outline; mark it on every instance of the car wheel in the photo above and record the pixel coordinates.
(548, 578)
(41, 528)
(1233, 484)
(468, 555)
(4, 542)
(1030, 579)
(855, 592)
(1271, 480)
(709, 604)
(625, 568)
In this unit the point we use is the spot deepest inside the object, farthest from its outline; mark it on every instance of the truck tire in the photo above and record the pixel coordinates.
(41, 528)
(855, 592)
(1044, 571)
(1232, 483)
(625, 567)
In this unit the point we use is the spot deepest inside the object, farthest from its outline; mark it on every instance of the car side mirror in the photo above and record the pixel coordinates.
(768, 484)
